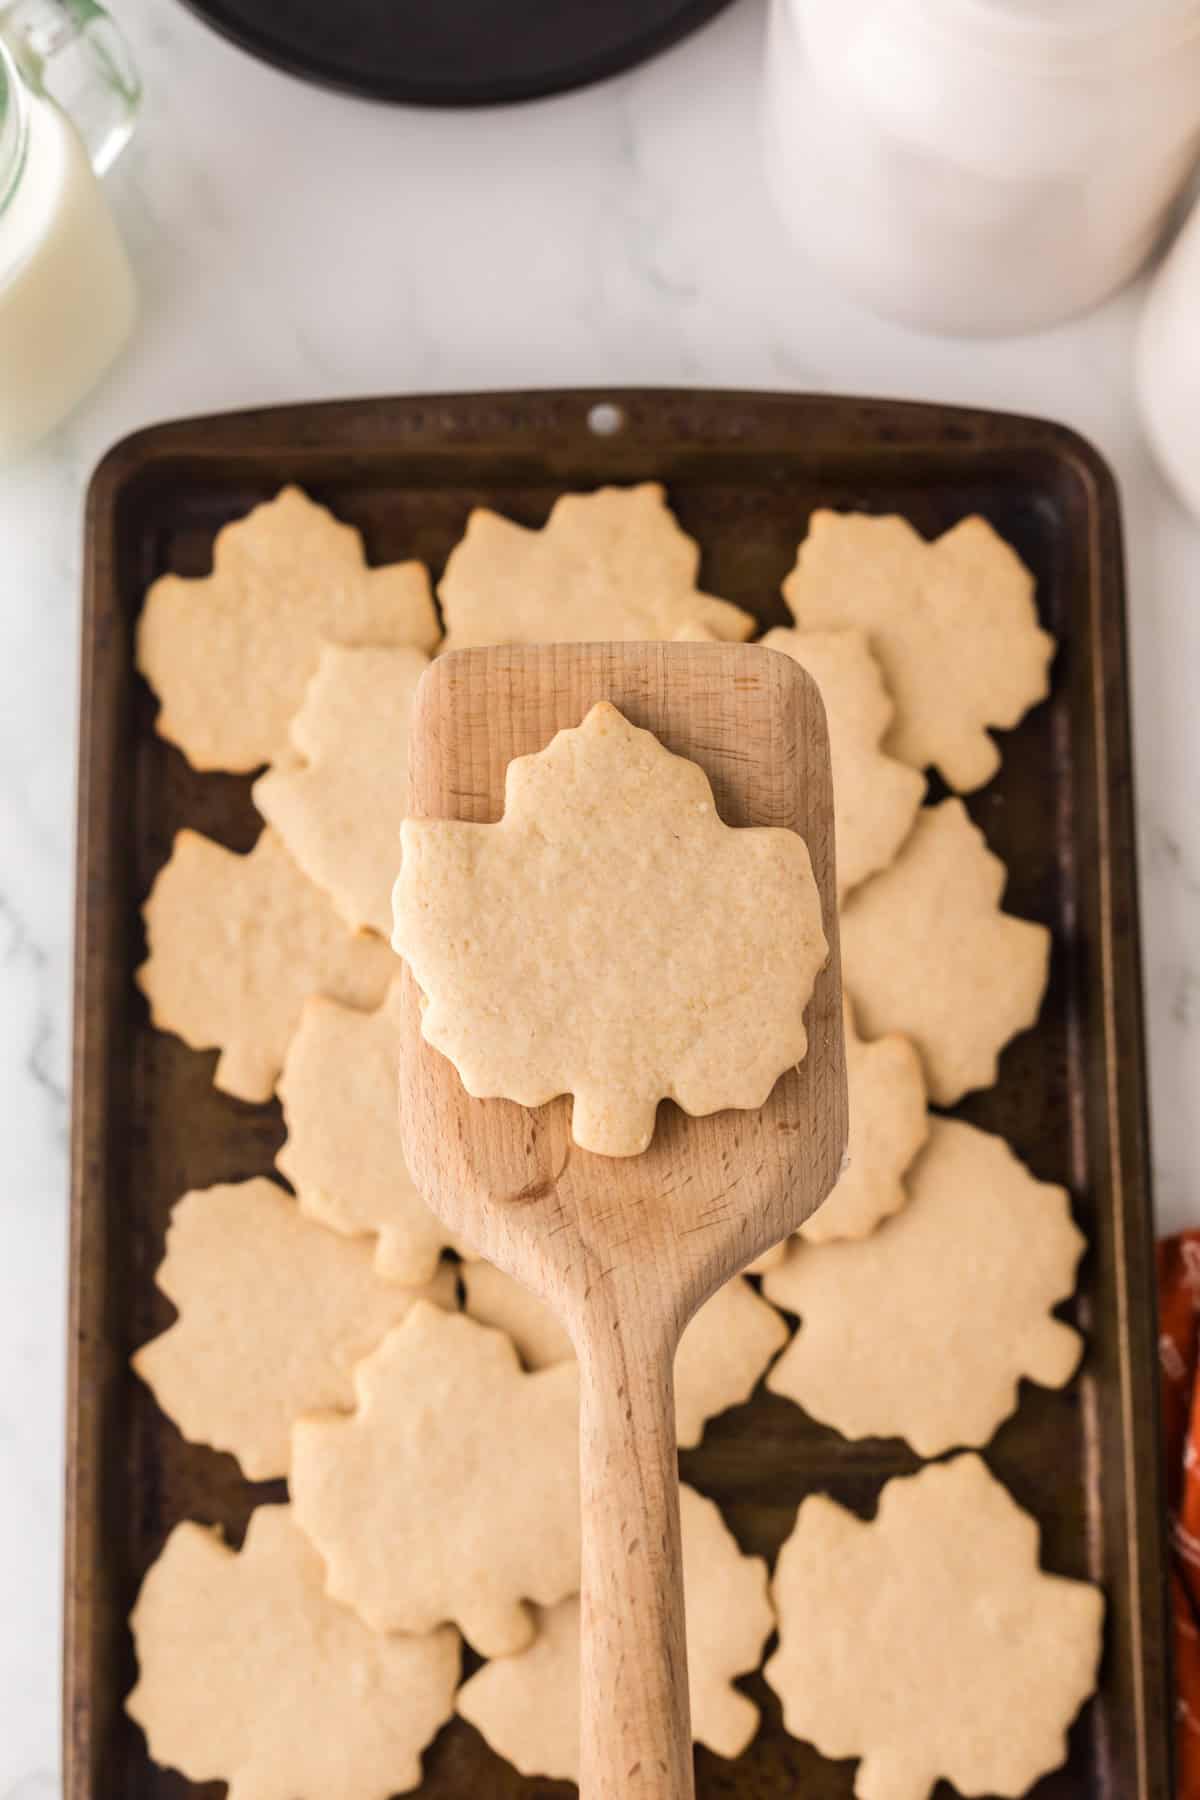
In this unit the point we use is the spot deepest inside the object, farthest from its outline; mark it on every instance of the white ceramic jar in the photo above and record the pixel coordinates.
(979, 166)
(1168, 364)
(67, 297)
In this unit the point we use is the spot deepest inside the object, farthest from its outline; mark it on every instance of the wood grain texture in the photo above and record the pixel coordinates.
(744, 471)
(626, 1248)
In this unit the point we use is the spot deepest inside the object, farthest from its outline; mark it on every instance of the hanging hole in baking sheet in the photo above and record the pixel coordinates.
(605, 420)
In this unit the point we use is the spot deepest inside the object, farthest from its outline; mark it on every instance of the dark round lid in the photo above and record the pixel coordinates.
(454, 52)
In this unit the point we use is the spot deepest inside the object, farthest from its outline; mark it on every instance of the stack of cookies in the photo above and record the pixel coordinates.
(422, 1406)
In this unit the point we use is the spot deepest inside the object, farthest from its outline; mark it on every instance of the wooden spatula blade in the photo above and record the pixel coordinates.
(508, 1179)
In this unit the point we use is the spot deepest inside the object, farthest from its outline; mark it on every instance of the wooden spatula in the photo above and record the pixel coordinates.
(625, 1249)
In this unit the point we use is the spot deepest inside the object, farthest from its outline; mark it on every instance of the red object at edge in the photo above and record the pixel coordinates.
(1179, 1360)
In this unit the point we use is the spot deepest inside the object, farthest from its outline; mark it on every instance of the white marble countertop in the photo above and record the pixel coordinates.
(292, 244)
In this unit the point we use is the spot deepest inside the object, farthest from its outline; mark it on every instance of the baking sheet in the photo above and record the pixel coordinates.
(743, 471)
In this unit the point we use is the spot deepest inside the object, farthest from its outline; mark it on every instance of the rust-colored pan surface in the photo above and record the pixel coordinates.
(744, 471)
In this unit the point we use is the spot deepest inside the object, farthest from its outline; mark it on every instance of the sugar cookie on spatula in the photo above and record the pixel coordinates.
(618, 885)
(610, 938)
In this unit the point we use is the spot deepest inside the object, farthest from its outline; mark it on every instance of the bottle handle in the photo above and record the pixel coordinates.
(72, 51)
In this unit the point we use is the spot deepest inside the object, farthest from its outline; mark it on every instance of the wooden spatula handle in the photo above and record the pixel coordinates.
(636, 1737)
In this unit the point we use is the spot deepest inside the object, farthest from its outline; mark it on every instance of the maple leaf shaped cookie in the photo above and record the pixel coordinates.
(953, 624)
(237, 943)
(927, 1642)
(926, 951)
(527, 1706)
(339, 805)
(924, 1329)
(495, 1299)
(273, 1315)
(611, 938)
(229, 654)
(342, 1153)
(606, 566)
(722, 1353)
(452, 1493)
(888, 1125)
(250, 1674)
(875, 797)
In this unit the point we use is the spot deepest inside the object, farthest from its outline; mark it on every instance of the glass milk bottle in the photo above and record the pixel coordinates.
(66, 290)
(980, 165)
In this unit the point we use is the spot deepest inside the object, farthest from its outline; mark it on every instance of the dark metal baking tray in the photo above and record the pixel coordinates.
(744, 471)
